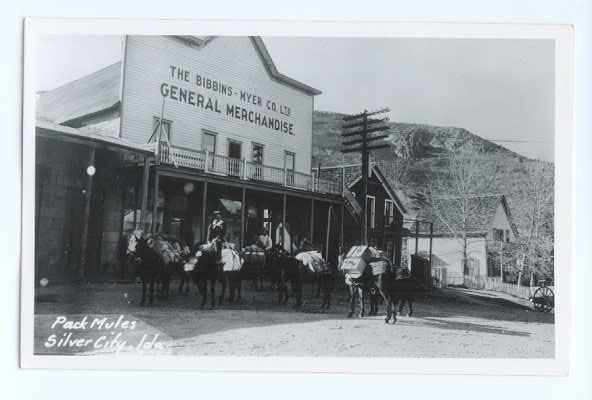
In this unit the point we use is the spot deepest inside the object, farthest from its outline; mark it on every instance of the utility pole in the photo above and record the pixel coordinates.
(362, 127)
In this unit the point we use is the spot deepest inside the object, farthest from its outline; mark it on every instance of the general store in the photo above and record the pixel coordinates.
(180, 127)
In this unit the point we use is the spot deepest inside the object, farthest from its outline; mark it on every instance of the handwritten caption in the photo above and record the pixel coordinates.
(113, 334)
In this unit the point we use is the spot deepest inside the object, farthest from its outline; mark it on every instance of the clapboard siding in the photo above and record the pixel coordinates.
(230, 60)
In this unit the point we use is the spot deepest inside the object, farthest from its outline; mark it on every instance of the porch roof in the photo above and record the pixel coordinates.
(51, 130)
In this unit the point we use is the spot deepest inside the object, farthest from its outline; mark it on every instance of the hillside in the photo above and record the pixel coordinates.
(418, 153)
(408, 141)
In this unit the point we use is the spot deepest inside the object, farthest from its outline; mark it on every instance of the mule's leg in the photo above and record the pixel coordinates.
(352, 300)
(387, 318)
(382, 295)
(280, 293)
(361, 301)
(394, 302)
(166, 285)
(287, 292)
(297, 290)
(143, 290)
(318, 288)
(401, 305)
(151, 290)
(203, 288)
(410, 302)
(181, 282)
(239, 285)
(231, 288)
(221, 297)
(374, 304)
(212, 288)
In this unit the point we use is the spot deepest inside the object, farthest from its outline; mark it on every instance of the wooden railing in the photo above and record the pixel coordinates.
(246, 170)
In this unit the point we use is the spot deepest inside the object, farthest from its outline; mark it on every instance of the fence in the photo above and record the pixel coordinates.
(496, 284)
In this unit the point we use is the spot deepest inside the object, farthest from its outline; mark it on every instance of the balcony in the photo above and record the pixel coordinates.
(244, 170)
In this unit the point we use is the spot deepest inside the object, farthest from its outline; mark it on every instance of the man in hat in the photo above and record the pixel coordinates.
(217, 233)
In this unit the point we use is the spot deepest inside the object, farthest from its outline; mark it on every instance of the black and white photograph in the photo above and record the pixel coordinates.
(298, 197)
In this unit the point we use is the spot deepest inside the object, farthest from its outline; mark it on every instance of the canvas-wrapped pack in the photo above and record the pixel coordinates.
(231, 260)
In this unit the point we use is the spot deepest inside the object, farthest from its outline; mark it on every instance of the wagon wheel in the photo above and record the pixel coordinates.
(543, 299)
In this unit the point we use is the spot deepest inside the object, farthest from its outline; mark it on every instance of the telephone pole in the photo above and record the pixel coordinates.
(361, 127)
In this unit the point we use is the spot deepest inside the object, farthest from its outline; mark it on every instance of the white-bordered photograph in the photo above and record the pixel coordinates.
(291, 197)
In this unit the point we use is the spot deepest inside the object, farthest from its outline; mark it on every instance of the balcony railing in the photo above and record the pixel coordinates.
(242, 169)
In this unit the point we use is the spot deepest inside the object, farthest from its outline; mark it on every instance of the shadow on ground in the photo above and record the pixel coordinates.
(181, 316)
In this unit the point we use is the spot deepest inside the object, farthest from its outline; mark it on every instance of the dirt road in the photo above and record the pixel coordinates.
(450, 323)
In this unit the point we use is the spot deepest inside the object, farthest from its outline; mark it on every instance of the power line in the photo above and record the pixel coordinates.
(520, 141)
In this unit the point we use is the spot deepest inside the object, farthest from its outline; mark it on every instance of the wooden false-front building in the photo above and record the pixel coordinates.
(180, 127)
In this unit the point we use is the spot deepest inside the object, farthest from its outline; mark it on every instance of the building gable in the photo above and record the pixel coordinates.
(221, 86)
(502, 220)
(377, 177)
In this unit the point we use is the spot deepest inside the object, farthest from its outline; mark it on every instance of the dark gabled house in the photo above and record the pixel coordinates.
(386, 211)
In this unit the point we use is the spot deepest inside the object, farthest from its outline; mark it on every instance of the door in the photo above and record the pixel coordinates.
(257, 159)
(234, 157)
(208, 145)
(289, 167)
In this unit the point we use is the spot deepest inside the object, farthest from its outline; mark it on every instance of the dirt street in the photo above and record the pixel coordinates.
(451, 322)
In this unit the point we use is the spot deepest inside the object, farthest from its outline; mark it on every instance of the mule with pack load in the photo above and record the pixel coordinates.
(369, 272)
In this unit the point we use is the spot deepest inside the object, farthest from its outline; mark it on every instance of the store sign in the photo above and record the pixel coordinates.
(197, 91)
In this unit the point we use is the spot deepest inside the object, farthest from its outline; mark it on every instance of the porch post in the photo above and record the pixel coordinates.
(416, 235)
(502, 260)
(341, 227)
(144, 204)
(431, 235)
(155, 201)
(284, 222)
(328, 233)
(204, 199)
(243, 211)
(86, 215)
(311, 220)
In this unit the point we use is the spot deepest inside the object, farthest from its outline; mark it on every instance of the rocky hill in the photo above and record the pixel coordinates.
(418, 153)
(408, 141)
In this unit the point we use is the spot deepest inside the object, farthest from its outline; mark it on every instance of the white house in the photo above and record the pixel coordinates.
(489, 222)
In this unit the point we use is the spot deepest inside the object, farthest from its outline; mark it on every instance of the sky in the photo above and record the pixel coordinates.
(499, 89)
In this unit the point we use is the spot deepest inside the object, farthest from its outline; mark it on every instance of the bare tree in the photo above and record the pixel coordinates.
(396, 170)
(537, 195)
(456, 190)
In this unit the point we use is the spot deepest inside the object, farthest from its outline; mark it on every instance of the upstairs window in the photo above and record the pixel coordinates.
(208, 142)
(389, 213)
(164, 130)
(257, 153)
(289, 167)
(371, 208)
(498, 235)
(208, 145)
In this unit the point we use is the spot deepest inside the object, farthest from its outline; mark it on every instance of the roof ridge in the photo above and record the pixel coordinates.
(84, 77)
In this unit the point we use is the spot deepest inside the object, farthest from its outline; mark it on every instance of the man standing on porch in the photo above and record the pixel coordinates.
(217, 233)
